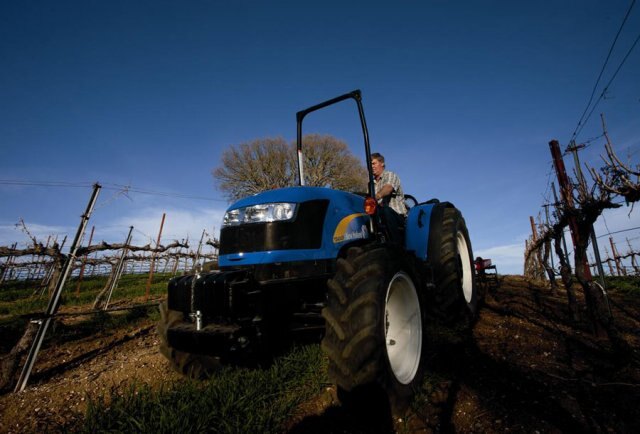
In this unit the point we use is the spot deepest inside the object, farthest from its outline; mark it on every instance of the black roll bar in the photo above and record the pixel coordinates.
(355, 95)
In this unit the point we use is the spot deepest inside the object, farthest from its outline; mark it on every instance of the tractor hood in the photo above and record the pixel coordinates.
(291, 224)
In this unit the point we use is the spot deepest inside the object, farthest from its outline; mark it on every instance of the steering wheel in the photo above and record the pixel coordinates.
(410, 201)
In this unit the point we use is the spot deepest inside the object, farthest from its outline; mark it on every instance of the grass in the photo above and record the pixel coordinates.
(18, 304)
(625, 284)
(100, 322)
(16, 298)
(235, 400)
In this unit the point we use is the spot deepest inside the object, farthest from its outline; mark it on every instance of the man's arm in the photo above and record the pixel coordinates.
(390, 182)
(385, 191)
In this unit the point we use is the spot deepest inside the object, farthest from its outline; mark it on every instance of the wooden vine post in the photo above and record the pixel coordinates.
(153, 259)
(567, 198)
(84, 263)
(117, 272)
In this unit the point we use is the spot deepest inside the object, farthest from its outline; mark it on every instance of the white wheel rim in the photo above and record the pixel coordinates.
(403, 328)
(467, 272)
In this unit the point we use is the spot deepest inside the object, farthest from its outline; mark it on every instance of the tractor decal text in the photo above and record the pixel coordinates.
(351, 228)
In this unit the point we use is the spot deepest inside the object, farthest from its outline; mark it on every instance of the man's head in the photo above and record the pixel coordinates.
(377, 164)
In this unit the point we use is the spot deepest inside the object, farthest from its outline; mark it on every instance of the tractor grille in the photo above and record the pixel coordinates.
(215, 295)
(305, 232)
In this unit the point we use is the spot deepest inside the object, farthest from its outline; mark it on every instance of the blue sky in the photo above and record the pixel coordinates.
(461, 97)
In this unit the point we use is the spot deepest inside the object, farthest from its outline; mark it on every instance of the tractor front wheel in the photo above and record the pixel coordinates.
(374, 324)
(194, 366)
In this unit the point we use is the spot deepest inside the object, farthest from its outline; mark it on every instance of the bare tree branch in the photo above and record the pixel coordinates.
(266, 164)
(617, 178)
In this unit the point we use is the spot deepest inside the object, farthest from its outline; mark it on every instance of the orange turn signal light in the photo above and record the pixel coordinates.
(370, 205)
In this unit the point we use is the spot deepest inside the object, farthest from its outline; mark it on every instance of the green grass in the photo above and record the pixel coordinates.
(18, 304)
(236, 400)
(625, 284)
(17, 299)
(100, 322)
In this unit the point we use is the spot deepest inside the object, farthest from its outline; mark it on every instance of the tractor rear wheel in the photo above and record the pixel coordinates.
(194, 366)
(456, 295)
(374, 325)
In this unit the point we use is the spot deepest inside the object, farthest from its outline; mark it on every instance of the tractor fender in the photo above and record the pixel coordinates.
(422, 228)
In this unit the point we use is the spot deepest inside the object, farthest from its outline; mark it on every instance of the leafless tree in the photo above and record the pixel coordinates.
(330, 163)
(565, 271)
(591, 204)
(546, 248)
(581, 207)
(533, 269)
(250, 168)
(618, 178)
(266, 164)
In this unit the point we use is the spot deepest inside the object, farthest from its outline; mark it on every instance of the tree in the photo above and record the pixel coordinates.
(580, 208)
(266, 164)
(328, 162)
(250, 168)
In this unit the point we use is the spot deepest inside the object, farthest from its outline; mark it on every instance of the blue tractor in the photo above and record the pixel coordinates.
(305, 259)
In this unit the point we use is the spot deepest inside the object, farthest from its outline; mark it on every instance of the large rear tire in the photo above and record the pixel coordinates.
(194, 366)
(456, 295)
(374, 324)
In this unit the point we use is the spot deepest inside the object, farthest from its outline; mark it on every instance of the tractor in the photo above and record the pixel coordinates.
(317, 260)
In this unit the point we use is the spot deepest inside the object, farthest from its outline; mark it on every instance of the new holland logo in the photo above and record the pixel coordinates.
(352, 227)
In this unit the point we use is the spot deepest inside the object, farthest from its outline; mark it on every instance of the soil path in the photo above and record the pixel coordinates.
(525, 369)
(65, 376)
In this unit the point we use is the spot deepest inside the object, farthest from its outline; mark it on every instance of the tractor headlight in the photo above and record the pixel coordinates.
(232, 218)
(263, 213)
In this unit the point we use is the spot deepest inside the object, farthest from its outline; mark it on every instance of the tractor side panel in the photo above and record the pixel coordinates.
(417, 230)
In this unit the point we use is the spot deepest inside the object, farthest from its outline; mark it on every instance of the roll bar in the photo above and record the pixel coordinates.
(355, 95)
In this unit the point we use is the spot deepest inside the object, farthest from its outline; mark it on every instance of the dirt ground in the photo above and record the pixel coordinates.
(64, 376)
(525, 369)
